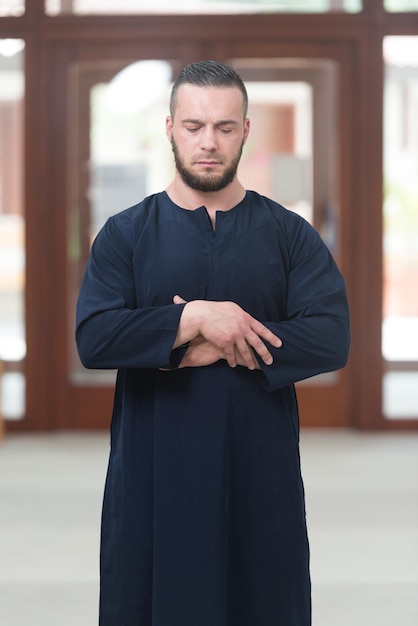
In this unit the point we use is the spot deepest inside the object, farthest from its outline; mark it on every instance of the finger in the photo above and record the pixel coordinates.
(261, 349)
(266, 334)
(246, 354)
(251, 365)
(255, 364)
(229, 355)
(179, 300)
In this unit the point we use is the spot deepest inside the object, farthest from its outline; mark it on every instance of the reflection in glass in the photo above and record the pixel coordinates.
(12, 8)
(126, 156)
(12, 251)
(293, 116)
(400, 6)
(54, 7)
(277, 159)
(400, 222)
(129, 158)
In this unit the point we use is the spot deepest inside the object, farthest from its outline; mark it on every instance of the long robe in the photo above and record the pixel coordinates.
(204, 516)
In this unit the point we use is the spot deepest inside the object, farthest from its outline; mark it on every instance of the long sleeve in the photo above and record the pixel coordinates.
(316, 331)
(267, 259)
(111, 330)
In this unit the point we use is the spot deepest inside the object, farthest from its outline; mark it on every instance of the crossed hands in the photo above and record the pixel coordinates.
(222, 330)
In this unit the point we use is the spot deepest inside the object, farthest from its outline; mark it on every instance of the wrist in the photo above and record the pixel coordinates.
(188, 327)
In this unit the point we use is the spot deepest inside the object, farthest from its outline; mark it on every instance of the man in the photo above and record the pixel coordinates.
(211, 301)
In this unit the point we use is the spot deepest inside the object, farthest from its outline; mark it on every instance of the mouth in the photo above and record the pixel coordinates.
(207, 163)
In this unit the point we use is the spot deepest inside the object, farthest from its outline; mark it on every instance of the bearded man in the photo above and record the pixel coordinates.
(211, 301)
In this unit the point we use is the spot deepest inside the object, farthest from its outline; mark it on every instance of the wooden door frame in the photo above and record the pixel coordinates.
(50, 39)
(316, 400)
(66, 399)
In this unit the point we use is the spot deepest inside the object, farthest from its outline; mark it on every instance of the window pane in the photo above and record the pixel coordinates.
(292, 118)
(400, 219)
(54, 7)
(401, 6)
(278, 158)
(12, 259)
(119, 156)
(12, 7)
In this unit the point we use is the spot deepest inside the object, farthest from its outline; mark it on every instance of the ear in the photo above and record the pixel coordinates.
(246, 129)
(169, 127)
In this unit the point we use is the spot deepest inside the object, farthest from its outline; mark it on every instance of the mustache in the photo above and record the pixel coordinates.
(208, 157)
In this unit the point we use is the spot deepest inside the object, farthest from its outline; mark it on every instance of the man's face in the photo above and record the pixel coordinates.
(207, 135)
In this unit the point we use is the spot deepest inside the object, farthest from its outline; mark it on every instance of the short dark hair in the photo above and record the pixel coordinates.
(209, 74)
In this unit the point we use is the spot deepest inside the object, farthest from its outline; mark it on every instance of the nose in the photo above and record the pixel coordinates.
(208, 140)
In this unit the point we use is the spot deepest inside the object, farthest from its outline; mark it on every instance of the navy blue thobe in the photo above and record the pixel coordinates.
(204, 516)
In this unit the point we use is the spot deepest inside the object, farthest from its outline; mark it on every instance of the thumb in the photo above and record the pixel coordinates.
(178, 300)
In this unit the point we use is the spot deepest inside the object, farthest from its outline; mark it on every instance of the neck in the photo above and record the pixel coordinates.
(190, 199)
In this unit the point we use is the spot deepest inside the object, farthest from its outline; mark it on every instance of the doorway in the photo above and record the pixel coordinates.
(108, 155)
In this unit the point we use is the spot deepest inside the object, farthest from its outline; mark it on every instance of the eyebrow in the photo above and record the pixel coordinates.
(190, 120)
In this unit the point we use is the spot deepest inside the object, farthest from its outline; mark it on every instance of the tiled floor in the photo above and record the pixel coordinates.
(362, 502)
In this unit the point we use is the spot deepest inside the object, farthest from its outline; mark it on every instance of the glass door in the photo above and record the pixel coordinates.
(12, 232)
(400, 230)
(117, 152)
(118, 155)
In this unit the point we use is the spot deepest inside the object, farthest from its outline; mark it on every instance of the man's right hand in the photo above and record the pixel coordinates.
(233, 333)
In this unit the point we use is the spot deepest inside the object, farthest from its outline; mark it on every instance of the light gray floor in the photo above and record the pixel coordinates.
(362, 503)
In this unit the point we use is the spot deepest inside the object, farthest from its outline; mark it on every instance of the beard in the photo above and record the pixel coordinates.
(208, 182)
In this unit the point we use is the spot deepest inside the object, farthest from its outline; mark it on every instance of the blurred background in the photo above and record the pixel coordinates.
(333, 88)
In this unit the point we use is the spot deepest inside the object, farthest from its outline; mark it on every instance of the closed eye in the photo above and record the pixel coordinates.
(226, 127)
